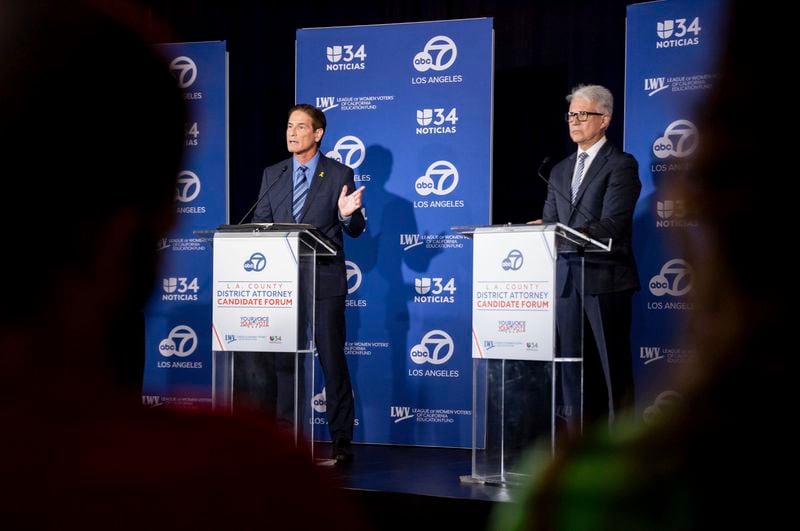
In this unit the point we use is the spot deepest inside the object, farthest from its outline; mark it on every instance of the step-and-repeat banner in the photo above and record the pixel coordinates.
(178, 317)
(409, 108)
(673, 52)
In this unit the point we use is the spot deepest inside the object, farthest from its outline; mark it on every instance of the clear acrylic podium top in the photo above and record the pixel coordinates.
(571, 239)
(312, 238)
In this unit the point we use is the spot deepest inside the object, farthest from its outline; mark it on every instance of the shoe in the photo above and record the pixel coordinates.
(342, 452)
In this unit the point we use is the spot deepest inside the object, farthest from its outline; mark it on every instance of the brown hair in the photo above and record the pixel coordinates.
(318, 120)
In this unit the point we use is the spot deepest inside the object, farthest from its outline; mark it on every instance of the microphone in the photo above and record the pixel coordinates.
(263, 195)
(545, 161)
(561, 194)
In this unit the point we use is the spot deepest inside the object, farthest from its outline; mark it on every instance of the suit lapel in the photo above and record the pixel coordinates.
(565, 186)
(282, 188)
(316, 183)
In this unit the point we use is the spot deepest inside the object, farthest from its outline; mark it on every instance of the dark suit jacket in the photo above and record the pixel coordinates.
(320, 209)
(608, 194)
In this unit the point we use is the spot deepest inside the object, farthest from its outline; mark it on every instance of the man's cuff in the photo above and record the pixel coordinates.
(345, 220)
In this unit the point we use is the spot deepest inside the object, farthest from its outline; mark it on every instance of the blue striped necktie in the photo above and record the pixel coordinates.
(578, 178)
(300, 193)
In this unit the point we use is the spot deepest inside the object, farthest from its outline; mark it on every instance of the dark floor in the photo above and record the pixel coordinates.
(413, 470)
(416, 488)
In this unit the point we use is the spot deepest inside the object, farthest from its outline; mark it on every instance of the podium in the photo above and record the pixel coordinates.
(524, 389)
(264, 284)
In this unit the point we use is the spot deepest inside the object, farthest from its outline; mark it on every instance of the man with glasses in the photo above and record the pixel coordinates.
(595, 191)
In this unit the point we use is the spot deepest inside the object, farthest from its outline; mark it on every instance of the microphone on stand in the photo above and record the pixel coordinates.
(264, 194)
(561, 194)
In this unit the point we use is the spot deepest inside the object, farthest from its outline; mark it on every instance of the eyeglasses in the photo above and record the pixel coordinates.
(582, 116)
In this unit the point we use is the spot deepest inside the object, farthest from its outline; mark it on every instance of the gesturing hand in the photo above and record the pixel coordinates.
(349, 203)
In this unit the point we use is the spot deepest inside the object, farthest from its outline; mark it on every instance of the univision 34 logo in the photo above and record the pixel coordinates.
(674, 33)
(435, 290)
(437, 121)
(345, 57)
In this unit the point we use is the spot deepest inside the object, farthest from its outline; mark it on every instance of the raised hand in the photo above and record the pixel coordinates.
(349, 203)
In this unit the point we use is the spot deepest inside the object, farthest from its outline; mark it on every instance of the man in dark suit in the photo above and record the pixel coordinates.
(313, 189)
(595, 191)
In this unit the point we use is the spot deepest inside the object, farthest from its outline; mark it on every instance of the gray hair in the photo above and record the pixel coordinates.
(596, 93)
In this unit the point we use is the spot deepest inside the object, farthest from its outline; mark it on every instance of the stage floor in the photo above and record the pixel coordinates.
(413, 470)
(410, 487)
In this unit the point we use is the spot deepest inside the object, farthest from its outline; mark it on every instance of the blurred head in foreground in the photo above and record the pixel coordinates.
(91, 128)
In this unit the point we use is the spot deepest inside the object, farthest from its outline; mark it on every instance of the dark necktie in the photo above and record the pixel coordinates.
(300, 193)
(578, 178)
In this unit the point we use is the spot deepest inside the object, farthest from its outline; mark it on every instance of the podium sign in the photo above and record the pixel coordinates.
(513, 307)
(264, 295)
(521, 383)
(255, 283)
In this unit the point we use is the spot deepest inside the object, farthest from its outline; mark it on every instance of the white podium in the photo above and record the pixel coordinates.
(264, 290)
(519, 374)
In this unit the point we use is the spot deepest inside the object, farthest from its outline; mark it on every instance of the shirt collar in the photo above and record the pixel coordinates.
(592, 151)
(311, 164)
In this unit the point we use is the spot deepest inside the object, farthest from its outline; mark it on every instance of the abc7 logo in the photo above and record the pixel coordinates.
(188, 187)
(679, 140)
(184, 70)
(440, 178)
(442, 345)
(681, 283)
(513, 261)
(664, 406)
(320, 402)
(257, 262)
(354, 276)
(439, 54)
(353, 149)
(181, 342)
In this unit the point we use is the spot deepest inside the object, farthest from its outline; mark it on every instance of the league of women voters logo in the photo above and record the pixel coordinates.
(435, 348)
(184, 70)
(439, 54)
(349, 150)
(400, 413)
(181, 342)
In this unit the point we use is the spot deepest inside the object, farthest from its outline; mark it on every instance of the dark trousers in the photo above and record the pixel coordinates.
(330, 337)
(607, 365)
(266, 381)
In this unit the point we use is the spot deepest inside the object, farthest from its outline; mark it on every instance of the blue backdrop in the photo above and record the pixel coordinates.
(178, 318)
(409, 108)
(673, 49)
